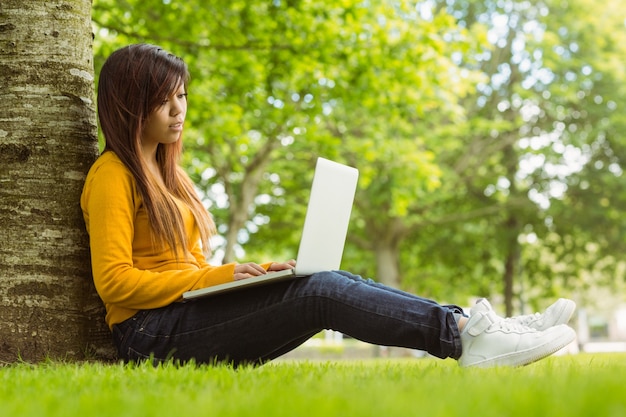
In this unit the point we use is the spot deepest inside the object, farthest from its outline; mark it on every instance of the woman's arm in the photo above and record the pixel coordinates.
(110, 204)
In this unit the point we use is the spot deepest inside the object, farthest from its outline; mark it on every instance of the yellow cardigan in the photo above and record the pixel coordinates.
(131, 274)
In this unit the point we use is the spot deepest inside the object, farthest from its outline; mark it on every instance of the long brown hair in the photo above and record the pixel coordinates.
(134, 81)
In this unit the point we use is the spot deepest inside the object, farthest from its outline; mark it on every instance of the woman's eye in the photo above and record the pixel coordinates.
(178, 96)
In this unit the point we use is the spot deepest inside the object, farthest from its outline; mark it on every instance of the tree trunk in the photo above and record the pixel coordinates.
(512, 229)
(48, 305)
(386, 249)
(511, 263)
(240, 203)
(387, 265)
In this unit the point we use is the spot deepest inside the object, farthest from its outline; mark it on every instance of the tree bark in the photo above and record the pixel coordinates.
(387, 265)
(386, 243)
(48, 140)
(511, 263)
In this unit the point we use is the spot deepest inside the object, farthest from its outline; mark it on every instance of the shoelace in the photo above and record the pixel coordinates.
(512, 324)
(526, 320)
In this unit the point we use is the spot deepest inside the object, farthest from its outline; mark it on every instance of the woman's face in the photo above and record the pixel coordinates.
(165, 124)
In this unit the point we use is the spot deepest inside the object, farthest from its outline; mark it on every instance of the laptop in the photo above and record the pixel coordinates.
(324, 232)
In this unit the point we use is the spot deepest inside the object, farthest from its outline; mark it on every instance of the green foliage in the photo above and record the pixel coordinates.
(362, 84)
(535, 145)
(487, 133)
(580, 385)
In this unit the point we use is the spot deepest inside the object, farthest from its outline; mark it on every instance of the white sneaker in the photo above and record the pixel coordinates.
(489, 340)
(558, 313)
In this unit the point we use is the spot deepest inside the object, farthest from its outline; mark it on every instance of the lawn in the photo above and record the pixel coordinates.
(571, 385)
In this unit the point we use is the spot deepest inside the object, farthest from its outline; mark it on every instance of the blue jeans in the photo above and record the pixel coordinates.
(262, 323)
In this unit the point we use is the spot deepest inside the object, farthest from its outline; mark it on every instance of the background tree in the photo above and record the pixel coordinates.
(586, 236)
(278, 83)
(535, 128)
(484, 169)
(466, 150)
(48, 304)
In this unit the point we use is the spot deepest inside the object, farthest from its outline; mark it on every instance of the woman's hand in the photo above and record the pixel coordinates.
(283, 265)
(250, 269)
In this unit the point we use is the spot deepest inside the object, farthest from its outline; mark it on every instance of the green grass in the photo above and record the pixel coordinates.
(577, 385)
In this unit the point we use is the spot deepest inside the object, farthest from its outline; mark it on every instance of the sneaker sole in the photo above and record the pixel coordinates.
(521, 358)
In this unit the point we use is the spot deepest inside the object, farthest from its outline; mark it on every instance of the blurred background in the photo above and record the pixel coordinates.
(489, 136)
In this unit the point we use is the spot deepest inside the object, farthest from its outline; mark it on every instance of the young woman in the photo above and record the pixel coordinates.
(149, 237)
